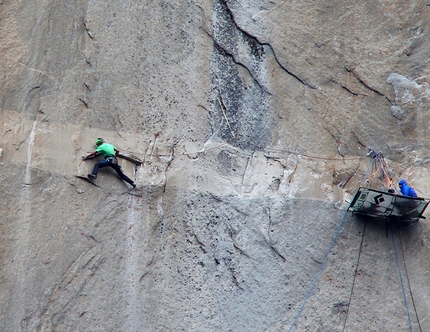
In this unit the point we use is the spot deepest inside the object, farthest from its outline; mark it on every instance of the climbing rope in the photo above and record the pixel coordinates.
(311, 288)
(401, 280)
(333, 242)
(296, 153)
(400, 277)
(409, 285)
(378, 162)
(266, 150)
(355, 275)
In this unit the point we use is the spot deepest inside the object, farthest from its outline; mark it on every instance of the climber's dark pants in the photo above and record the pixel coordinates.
(115, 166)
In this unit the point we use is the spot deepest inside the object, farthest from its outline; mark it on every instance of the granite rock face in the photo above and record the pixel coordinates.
(249, 122)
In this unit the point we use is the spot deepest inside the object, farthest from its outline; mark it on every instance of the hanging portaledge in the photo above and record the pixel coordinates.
(375, 203)
(386, 203)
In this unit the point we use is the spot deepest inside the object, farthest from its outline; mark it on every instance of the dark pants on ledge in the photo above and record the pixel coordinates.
(112, 163)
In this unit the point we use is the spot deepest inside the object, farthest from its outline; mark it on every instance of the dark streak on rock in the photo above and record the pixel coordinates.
(73, 281)
(88, 31)
(36, 87)
(236, 282)
(200, 243)
(333, 135)
(348, 89)
(84, 102)
(224, 2)
(224, 52)
(269, 241)
(88, 63)
(359, 142)
(366, 85)
(336, 138)
(241, 250)
(92, 238)
(168, 165)
(143, 276)
(132, 194)
(316, 260)
(351, 92)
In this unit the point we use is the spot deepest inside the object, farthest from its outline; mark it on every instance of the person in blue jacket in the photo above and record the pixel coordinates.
(406, 190)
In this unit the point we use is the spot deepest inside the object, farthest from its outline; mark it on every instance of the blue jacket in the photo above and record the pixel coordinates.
(406, 190)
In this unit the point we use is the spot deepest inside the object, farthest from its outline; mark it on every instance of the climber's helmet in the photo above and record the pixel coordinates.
(99, 141)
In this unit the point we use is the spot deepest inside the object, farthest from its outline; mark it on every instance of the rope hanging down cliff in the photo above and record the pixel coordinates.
(317, 276)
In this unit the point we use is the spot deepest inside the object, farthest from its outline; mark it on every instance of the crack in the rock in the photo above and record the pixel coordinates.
(84, 102)
(225, 52)
(233, 233)
(36, 87)
(93, 238)
(89, 33)
(87, 180)
(365, 84)
(347, 89)
(234, 278)
(269, 241)
(316, 261)
(199, 242)
(143, 276)
(88, 63)
(333, 135)
(243, 252)
(358, 140)
(336, 139)
(295, 153)
(350, 91)
(54, 307)
(169, 162)
(246, 33)
(346, 181)
(244, 174)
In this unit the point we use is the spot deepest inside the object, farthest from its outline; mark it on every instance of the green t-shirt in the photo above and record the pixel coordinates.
(106, 149)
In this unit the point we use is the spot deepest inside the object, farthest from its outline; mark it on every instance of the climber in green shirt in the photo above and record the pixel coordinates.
(110, 153)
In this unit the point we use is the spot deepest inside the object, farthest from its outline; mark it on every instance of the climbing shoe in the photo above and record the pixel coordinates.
(92, 176)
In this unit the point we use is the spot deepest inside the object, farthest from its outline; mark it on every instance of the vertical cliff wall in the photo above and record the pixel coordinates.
(250, 120)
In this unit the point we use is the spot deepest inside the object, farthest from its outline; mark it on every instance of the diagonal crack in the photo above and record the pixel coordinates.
(347, 89)
(65, 294)
(365, 84)
(337, 138)
(225, 52)
(89, 33)
(255, 39)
